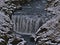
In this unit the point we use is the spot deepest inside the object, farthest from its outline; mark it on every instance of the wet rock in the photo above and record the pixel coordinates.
(51, 36)
(6, 1)
(4, 8)
(6, 33)
(32, 38)
(19, 7)
(22, 43)
(18, 41)
(42, 30)
(2, 41)
(15, 41)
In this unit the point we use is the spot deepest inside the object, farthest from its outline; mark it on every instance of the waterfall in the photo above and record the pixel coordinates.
(26, 23)
(30, 18)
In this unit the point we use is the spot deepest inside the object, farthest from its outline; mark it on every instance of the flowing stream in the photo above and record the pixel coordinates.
(30, 18)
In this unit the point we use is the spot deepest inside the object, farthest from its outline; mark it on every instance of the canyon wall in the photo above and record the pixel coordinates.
(49, 33)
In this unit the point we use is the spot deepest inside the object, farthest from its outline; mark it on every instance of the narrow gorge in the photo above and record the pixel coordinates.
(29, 22)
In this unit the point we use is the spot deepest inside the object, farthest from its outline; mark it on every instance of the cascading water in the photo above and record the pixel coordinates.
(30, 18)
(26, 23)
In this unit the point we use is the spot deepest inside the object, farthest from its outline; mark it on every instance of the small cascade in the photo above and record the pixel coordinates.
(30, 18)
(26, 23)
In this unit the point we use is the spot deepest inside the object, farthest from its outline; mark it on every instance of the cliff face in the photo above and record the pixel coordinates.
(53, 7)
(7, 37)
(5, 28)
(49, 33)
(10, 6)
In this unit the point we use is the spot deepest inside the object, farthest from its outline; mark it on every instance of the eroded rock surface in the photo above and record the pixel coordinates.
(53, 7)
(10, 6)
(49, 33)
(7, 36)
